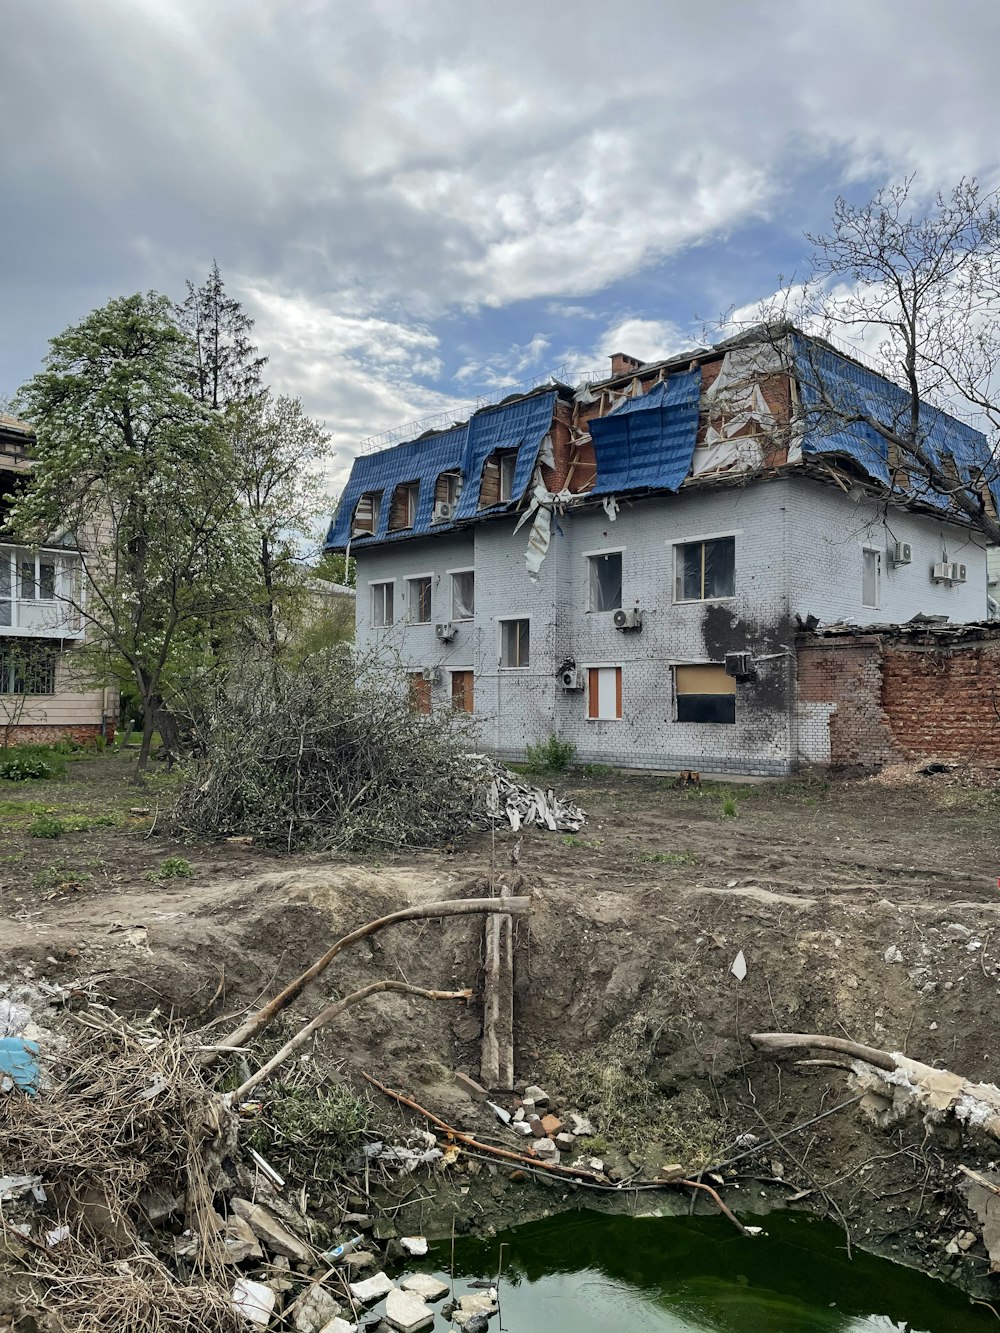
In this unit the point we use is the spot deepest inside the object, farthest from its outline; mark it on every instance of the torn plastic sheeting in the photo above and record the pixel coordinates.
(18, 1065)
(831, 387)
(744, 452)
(649, 442)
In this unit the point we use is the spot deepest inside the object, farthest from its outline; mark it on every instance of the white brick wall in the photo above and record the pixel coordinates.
(798, 550)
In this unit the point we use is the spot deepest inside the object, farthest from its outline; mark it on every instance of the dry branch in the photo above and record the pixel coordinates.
(256, 1023)
(784, 1041)
(331, 1012)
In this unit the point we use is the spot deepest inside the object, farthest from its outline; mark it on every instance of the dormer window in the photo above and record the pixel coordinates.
(366, 513)
(403, 513)
(497, 486)
(447, 489)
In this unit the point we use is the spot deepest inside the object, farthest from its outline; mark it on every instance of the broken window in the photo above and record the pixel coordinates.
(461, 691)
(604, 692)
(418, 609)
(871, 577)
(420, 692)
(366, 513)
(704, 693)
(705, 570)
(27, 668)
(605, 581)
(403, 510)
(514, 643)
(463, 594)
(382, 605)
(497, 485)
(448, 488)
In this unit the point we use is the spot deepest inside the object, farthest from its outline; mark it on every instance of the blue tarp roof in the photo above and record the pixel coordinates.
(649, 441)
(520, 425)
(831, 385)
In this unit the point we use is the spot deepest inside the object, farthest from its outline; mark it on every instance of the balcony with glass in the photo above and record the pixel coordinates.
(40, 593)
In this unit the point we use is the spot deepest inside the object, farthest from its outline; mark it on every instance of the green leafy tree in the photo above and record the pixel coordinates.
(224, 366)
(336, 567)
(142, 474)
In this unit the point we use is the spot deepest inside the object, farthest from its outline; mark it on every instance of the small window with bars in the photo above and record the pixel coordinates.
(27, 668)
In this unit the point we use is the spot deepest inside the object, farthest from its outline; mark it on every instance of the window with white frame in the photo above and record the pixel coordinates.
(382, 604)
(515, 643)
(463, 594)
(871, 577)
(705, 571)
(605, 581)
(604, 693)
(418, 600)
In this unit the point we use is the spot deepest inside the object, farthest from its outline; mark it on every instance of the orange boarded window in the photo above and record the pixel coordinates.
(420, 693)
(461, 691)
(604, 692)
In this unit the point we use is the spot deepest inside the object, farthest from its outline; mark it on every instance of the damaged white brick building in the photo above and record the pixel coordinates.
(622, 564)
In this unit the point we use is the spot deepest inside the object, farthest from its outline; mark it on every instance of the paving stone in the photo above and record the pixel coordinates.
(371, 1289)
(407, 1311)
(424, 1284)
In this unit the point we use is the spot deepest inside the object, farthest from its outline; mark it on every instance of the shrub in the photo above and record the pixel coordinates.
(549, 756)
(310, 1131)
(729, 807)
(24, 763)
(172, 867)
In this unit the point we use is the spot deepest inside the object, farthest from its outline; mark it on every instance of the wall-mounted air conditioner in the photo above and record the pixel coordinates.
(628, 620)
(445, 631)
(958, 573)
(941, 572)
(739, 665)
(901, 554)
(433, 674)
(443, 512)
(571, 678)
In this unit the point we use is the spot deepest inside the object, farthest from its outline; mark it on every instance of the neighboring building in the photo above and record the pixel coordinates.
(623, 565)
(993, 581)
(42, 694)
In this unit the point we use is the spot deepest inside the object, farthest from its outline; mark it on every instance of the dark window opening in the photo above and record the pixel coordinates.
(605, 581)
(515, 643)
(27, 668)
(419, 609)
(705, 570)
(704, 693)
(463, 595)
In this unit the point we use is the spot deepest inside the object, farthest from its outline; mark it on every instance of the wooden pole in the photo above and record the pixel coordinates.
(497, 1059)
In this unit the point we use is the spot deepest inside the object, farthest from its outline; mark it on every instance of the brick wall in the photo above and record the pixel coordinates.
(900, 694)
(48, 735)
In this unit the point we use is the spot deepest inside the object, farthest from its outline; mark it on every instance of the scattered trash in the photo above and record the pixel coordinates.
(510, 797)
(12, 1187)
(739, 967)
(18, 1065)
(339, 1252)
(53, 1237)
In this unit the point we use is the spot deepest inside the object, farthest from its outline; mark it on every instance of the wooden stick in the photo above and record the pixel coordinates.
(700, 1185)
(258, 1021)
(783, 1041)
(980, 1180)
(327, 1015)
(470, 1142)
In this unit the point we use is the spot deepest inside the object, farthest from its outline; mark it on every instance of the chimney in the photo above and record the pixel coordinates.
(623, 364)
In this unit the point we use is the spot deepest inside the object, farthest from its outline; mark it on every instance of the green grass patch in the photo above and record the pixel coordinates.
(571, 840)
(667, 858)
(61, 875)
(171, 867)
(47, 826)
(598, 770)
(309, 1132)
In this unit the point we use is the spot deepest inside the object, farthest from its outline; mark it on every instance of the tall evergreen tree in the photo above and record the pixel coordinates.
(225, 366)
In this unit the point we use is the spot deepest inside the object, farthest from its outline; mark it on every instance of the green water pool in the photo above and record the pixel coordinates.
(588, 1272)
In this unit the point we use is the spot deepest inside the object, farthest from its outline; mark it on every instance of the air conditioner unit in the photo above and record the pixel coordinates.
(433, 674)
(571, 679)
(941, 572)
(958, 573)
(902, 553)
(625, 620)
(443, 512)
(739, 665)
(445, 632)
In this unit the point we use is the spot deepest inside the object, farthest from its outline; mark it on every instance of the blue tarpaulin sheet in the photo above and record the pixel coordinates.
(832, 387)
(648, 442)
(520, 425)
(19, 1063)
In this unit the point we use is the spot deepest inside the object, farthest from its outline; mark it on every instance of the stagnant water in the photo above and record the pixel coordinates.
(587, 1272)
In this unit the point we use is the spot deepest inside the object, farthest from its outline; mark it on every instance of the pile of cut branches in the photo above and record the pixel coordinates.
(328, 757)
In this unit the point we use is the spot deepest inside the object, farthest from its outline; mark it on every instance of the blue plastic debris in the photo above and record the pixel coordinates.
(18, 1065)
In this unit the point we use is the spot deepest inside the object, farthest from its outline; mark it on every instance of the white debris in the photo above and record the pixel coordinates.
(739, 967)
(512, 798)
(415, 1246)
(407, 1311)
(254, 1301)
(892, 955)
(426, 1286)
(371, 1289)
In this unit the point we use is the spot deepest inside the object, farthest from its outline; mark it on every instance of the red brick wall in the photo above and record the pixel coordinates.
(896, 698)
(48, 735)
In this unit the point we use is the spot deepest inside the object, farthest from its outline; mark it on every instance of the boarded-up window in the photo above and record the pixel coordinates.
(403, 510)
(605, 581)
(448, 487)
(705, 570)
(497, 485)
(871, 578)
(461, 691)
(382, 605)
(418, 597)
(463, 595)
(604, 692)
(366, 513)
(704, 693)
(515, 643)
(420, 692)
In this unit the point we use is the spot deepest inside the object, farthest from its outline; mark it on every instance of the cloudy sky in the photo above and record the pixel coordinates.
(422, 200)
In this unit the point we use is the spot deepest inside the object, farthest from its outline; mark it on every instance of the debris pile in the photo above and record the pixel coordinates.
(509, 797)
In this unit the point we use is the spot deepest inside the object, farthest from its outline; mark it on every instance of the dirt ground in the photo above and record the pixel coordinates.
(866, 908)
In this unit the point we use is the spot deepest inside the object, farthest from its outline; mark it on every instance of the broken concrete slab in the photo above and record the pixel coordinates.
(425, 1285)
(546, 1150)
(358, 1261)
(239, 1242)
(407, 1311)
(254, 1301)
(565, 1142)
(371, 1289)
(338, 1325)
(580, 1125)
(469, 1085)
(266, 1227)
(416, 1246)
(535, 1094)
(313, 1310)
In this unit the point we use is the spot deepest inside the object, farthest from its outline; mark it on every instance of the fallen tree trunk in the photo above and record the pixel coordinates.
(327, 1015)
(934, 1091)
(257, 1022)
